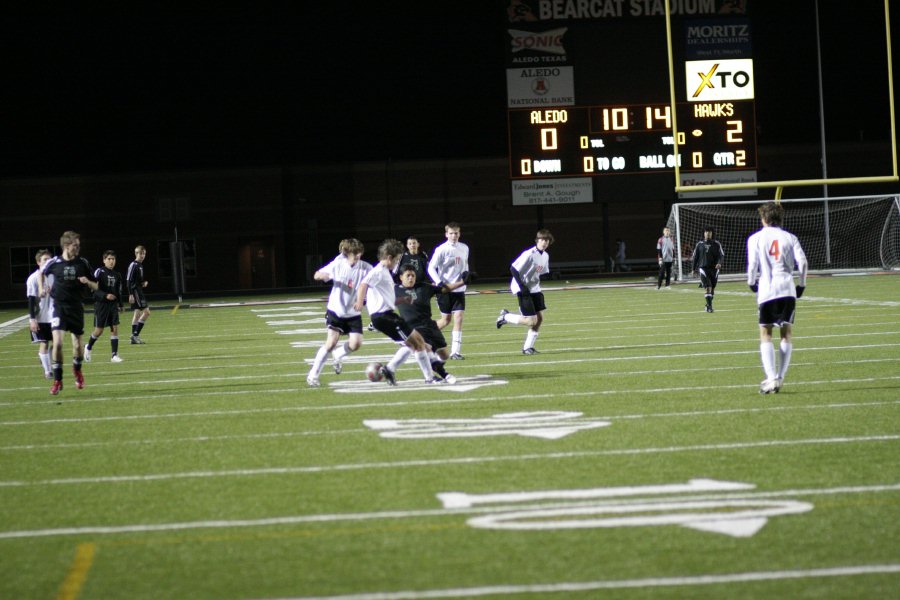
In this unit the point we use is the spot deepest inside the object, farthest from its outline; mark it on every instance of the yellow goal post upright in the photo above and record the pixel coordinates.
(779, 185)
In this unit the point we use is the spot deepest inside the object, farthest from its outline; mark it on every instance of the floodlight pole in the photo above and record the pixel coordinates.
(822, 135)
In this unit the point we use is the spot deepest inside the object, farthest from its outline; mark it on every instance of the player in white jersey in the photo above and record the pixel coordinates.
(345, 272)
(526, 272)
(773, 256)
(40, 312)
(377, 292)
(450, 263)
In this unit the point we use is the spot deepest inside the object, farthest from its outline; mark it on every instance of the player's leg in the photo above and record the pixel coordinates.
(785, 349)
(767, 356)
(331, 339)
(56, 362)
(114, 342)
(420, 352)
(351, 326)
(77, 358)
(95, 333)
(456, 335)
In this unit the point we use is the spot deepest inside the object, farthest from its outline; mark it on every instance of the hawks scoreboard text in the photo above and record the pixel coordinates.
(633, 138)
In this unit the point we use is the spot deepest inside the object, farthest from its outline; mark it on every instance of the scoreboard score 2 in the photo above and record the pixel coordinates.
(637, 138)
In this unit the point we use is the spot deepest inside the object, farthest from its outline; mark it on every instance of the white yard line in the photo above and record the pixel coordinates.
(367, 431)
(389, 515)
(464, 460)
(563, 587)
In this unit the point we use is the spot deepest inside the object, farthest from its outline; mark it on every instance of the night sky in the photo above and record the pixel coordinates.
(141, 90)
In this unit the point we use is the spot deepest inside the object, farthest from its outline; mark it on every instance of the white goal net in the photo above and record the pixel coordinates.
(853, 232)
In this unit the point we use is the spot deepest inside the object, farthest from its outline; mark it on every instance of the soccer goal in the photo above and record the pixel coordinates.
(845, 233)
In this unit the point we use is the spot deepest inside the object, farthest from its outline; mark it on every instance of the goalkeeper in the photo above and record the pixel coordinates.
(773, 255)
(707, 260)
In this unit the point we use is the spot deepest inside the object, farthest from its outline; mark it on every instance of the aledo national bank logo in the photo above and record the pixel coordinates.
(709, 80)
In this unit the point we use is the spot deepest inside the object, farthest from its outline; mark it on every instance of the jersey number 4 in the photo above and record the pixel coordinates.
(774, 250)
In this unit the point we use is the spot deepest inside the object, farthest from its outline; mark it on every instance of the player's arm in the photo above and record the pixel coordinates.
(802, 266)
(360, 295)
(433, 268)
(520, 280)
(752, 265)
(721, 252)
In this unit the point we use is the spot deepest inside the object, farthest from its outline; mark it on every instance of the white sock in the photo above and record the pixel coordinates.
(512, 318)
(424, 364)
(784, 352)
(530, 339)
(340, 352)
(767, 352)
(457, 341)
(399, 358)
(45, 361)
(319, 361)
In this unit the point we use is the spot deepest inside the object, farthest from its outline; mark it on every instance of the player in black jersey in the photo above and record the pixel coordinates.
(416, 257)
(414, 305)
(136, 284)
(107, 306)
(707, 260)
(69, 277)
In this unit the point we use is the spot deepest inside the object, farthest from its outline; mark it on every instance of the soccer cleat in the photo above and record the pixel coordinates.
(388, 375)
(56, 387)
(530, 351)
(48, 375)
(501, 320)
(434, 381)
(778, 383)
(338, 367)
(136, 340)
(770, 386)
(457, 356)
(312, 381)
(79, 379)
(87, 355)
(439, 370)
(116, 358)
(450, 379)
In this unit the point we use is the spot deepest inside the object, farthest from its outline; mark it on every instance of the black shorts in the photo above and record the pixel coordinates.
(451, 302)
(392, 325)
(43, 334)
(779, 311)
(531, 304)
(140, 300)
(709, 277)
(431, 334)
(344, 326)
(106, 314)
(69, 318)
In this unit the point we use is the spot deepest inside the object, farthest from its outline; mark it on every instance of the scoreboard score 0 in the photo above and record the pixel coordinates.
(635, 138)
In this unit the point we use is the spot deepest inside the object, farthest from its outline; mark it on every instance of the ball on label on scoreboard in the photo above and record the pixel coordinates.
(373, 371)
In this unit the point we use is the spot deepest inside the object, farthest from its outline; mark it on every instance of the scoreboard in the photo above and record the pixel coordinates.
(590, 93)
(631, 138)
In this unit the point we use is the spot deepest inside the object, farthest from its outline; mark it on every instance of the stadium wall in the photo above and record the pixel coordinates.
(270, 228)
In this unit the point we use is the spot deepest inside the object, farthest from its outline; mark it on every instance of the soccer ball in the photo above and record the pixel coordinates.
(373, 371)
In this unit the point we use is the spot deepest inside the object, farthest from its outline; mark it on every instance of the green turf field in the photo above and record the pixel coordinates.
(633, 458)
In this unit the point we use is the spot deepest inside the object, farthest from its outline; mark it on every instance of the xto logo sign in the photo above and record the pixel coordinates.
(708, 80)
